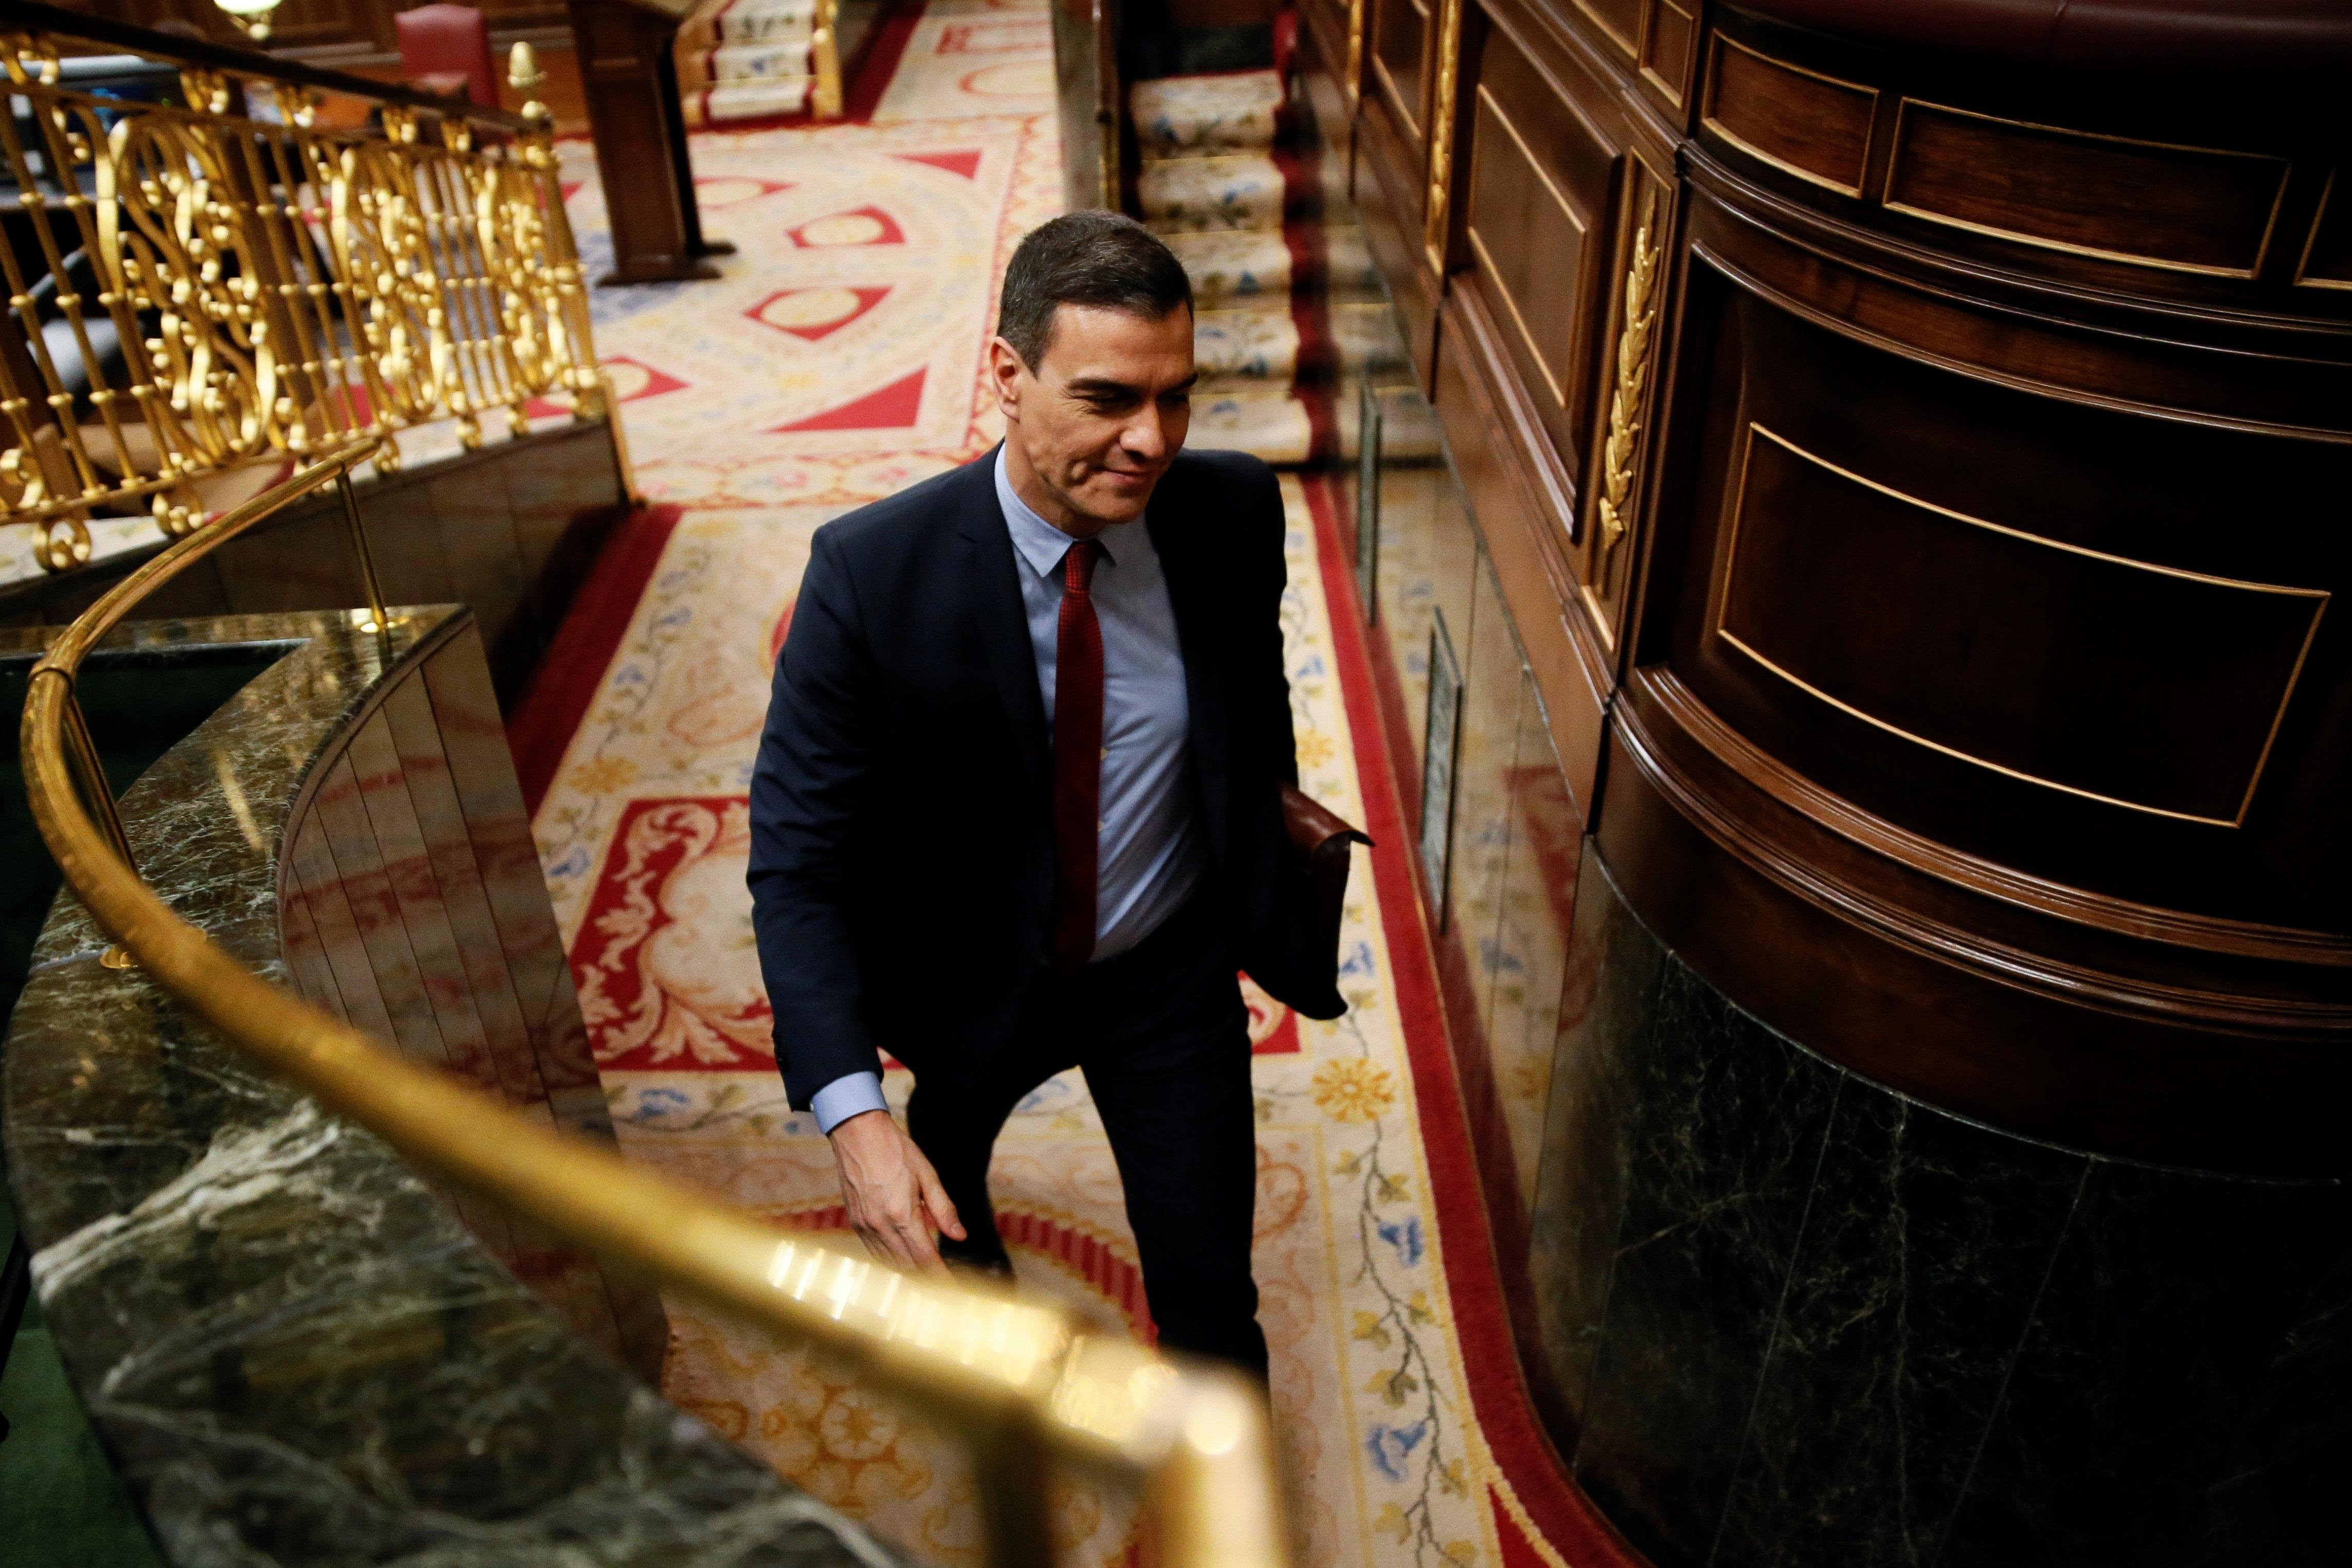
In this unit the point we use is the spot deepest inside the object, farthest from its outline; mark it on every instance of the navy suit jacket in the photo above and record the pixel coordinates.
(901, 864)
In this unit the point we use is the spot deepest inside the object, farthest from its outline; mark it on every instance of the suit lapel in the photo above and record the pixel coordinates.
(1192, 596)
(1002, 624)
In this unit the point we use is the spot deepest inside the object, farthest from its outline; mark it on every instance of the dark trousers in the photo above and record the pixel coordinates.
(1162, 1037)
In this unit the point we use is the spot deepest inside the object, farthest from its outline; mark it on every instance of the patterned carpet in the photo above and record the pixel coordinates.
(837, 361)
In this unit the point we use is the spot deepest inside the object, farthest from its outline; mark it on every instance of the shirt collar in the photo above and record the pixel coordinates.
(1041, 544)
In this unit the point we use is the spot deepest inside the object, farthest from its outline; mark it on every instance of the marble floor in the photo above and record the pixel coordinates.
(836, 361)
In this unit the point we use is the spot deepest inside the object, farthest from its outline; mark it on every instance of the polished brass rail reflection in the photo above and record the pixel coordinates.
(1020, 1382)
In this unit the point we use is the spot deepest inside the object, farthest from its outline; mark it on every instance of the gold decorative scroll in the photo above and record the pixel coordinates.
(228, 281)
(1639, 312)
(1441, 135)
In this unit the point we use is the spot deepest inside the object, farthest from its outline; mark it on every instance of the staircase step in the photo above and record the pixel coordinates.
(1260, 344)
(755, 99)
(1233, 265)
(1272, 425)
(1191, 195)
(717, 22)
(730, 63)
(1206, 115)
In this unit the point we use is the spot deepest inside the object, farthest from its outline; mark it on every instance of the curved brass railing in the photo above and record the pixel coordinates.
(1017, 1380)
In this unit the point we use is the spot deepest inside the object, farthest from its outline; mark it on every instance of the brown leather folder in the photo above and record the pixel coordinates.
(1318, 858)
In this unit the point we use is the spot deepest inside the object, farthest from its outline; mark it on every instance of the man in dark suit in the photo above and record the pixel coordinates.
(1017, 805)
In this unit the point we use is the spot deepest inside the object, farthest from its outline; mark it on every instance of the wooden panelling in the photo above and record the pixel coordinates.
(2328, 253)
(1618, 23)
(1389, 196)
(1528, 241)
(1793, 263)
(1539, 190)
(1800, 121)
(1657, 39)
(332, 31)
(2191, 209)
(2072, 670)
(1398, 47)
(298, 23)
(1667, 51)
(2132, 683)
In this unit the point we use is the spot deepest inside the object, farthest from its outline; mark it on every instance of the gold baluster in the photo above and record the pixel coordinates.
(825, 55)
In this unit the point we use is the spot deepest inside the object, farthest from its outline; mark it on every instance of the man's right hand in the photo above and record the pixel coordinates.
(894, 1197)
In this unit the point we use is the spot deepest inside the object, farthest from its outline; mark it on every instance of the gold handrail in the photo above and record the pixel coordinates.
(1018, 1380)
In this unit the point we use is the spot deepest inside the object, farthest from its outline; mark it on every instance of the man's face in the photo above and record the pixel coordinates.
(1102, 415)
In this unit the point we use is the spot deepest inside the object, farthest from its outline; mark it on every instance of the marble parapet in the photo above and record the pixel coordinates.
(296, 1350)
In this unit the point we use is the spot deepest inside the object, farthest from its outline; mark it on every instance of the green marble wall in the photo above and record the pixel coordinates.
(140, 702)
(59, 1493)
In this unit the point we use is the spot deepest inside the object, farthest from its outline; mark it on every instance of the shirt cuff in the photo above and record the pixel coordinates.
(851, 1094)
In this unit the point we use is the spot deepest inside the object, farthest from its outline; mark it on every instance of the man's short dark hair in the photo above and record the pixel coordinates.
(1094, 257)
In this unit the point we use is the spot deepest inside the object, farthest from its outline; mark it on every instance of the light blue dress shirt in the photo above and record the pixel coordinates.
(1149, 854)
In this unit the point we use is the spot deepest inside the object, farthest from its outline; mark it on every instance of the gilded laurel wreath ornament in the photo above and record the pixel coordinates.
(1441, 135)
(227, 280)
(1627, 404)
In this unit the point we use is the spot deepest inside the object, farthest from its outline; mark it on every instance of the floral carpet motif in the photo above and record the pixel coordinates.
(869, 260)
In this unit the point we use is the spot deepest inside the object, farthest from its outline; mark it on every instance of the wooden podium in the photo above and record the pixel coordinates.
(639, 130)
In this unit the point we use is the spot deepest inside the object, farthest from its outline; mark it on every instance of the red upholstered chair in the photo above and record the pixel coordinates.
(447, 49)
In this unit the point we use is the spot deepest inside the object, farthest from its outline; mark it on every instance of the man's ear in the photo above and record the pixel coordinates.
(1005, 372)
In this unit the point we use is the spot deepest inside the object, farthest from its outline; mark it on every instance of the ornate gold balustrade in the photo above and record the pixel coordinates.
(236, 276)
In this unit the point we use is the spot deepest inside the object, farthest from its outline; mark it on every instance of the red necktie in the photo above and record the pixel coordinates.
(1077, 761)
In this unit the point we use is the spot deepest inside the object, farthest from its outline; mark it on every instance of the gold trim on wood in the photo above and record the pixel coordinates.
(1609, 32)
(1486, 259)
(1441, 136)
(1629, 401)
(1597, 616)
(2134, 259)
(2303, 263)
(2320, 596)
(1708, 93)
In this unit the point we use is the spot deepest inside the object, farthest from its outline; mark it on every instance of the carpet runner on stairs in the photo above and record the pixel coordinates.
(1290, 317)
(744, 59)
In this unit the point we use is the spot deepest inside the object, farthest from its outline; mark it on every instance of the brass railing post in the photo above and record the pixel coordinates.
(379, 620)
(825, 53)
(1215, 1496)
(1009, 1463)
(89, 770)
